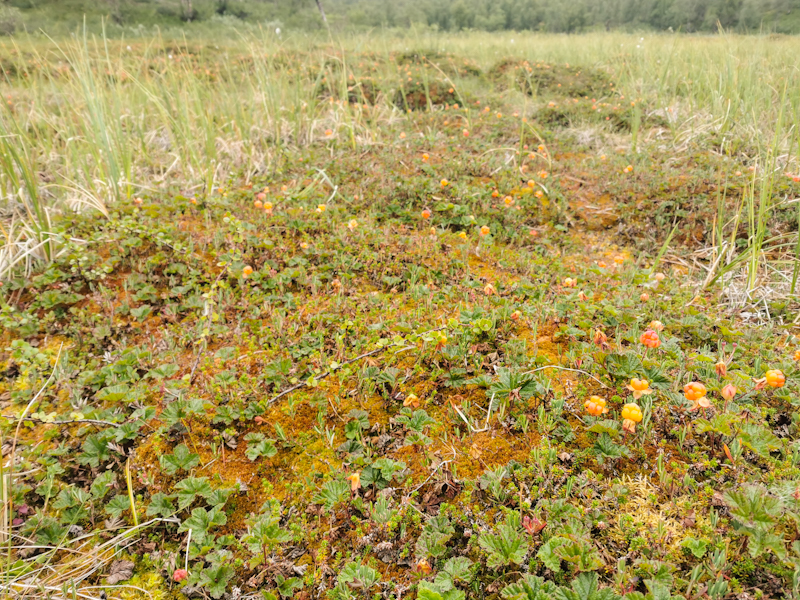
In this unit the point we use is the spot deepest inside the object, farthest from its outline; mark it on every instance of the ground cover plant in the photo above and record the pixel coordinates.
(426, 316)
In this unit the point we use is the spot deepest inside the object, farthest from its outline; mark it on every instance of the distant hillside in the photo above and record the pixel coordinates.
(781, 16)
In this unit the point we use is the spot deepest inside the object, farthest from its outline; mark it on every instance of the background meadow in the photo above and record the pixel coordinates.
(397, 312)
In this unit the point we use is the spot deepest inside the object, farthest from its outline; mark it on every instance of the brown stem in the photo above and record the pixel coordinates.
(322, 12)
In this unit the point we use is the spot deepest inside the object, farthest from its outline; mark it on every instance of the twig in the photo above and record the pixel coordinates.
(194, 366)
(249, 354)
(327, 373)
(79, 570)
(203, 339)
(66, 422)
(48, 588)
(345, 363)
(575, 179)
(436, 470)
(33, 401)
(485, 424)
(567, 369)
(463, 418)
(8, 505)
(188, 542)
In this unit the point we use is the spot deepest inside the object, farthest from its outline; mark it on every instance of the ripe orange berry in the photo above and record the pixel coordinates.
(426, 214)
(595, 406)
(631, 415)
(694, 391)
(485, 230)
(508, 200)
(632, 412)
(247, 271)
(496, 194)
(639, 387)
(775, 378)
(258, 204)
(650, 339)
(444, 183)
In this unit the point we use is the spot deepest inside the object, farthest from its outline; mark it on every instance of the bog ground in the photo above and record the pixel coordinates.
(476, 316)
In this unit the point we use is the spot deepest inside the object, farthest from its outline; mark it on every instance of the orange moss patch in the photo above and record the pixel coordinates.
(488, 450)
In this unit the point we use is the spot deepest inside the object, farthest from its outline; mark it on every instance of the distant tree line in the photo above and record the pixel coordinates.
(573, 15)
(782, 16)
(545, 15)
